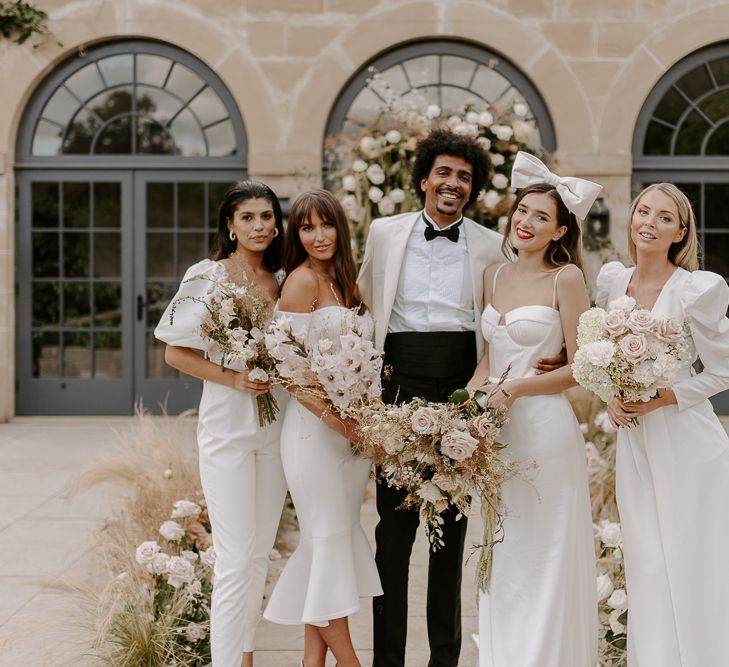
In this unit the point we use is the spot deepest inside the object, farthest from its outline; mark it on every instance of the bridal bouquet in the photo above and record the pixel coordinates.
(442, 454)
(238, 313)
(626, 351)
(337, 373)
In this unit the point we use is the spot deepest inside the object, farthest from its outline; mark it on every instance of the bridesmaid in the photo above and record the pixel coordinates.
(333, 566)
(240, 464)
(672, 468)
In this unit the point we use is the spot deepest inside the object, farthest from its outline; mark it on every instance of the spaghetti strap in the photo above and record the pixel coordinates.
(554, 290)
(493, 280)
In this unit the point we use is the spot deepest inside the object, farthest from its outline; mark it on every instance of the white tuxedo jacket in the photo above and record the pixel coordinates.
(380, 272)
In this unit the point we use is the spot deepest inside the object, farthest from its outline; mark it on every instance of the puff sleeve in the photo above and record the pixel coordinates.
(605, 279)
(705, 297)
(180, 323)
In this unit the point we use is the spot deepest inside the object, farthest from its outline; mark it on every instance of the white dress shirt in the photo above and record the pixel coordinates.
(434, 290)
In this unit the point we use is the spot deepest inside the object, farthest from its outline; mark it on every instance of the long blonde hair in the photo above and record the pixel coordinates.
(683, 253)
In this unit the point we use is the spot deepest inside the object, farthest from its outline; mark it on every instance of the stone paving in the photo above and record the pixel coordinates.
(46, 538)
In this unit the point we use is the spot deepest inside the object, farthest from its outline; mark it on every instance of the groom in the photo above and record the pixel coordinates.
(422, 276)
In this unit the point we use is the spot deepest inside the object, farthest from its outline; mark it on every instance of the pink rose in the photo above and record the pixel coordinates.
(634, 347)
(484, 427)
(669, 329)
(641, 321)
(458, 445)
(615, 323)
(424, 421)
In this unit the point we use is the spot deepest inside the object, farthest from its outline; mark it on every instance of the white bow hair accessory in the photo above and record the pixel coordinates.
(578, 194)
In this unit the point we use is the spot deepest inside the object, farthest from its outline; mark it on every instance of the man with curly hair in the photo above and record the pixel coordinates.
(422, 276)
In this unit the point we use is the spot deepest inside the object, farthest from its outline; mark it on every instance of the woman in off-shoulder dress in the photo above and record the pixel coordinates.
(673, 465)
(240, 464)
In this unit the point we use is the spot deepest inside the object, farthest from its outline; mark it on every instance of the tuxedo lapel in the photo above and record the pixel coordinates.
(396, 242)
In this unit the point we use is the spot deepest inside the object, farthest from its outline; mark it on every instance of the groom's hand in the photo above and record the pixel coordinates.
(547, 364)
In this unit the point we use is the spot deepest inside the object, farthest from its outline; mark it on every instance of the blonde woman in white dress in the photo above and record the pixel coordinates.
(672, 467)
(541, 608)
(240, 463)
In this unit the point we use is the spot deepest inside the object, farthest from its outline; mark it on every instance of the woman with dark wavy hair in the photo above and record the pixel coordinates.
(240, 464)
(541, 607)
(333, 566)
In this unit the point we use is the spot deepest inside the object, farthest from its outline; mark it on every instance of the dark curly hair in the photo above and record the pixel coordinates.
(446, 142)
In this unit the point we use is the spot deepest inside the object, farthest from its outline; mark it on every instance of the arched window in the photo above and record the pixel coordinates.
(447, 73)
(682, 136)
(123, 155)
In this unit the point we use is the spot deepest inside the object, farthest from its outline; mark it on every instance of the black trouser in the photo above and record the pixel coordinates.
(429, 365)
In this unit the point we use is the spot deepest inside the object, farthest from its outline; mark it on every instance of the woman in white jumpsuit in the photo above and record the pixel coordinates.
(240, 465)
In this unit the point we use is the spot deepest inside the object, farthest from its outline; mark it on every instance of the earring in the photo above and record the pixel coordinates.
(275, 232)
(231, 235)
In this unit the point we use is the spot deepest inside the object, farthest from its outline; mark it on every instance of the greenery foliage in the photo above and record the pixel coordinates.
(21, 20)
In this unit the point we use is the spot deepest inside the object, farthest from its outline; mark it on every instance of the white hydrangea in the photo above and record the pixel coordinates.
(349, 183)
(600, 352)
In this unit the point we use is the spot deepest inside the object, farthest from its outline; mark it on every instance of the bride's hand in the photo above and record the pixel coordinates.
(621, 414)
(241, 382)
(496, 396)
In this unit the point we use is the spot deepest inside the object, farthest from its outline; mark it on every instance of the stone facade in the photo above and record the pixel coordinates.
(286, 61)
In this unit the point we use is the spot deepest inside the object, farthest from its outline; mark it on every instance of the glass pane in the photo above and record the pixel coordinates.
(117, 69)
(160, 255)
(208, 107)
(693, 192)
(115, 138)
(45, 300)
(716, 205)
(76, 355)
(671, 106)
(452, 99)
(107, 354)
(716, 253)
(718, 144)
(716, 106)
(191, 248)
(691, 134)
(86, 82)
(75, 204)
(152, 69)
(45, 204)
(60, 107)
(111, 103)
(159, 294)
(657, 139)
(216, 193)
(47, 138)
(160, 205)
(457, 71)
(187, 134)
(81, 133)
(107, 255)
(366, 107)
(221, 139)
(191, 205)
(720, 69)
(45, 254)
(46, 359)
(107, 205)
(395, 77)
(422, 71)
(158, 104)
(107, 305)
(76, 255)
(183, 82)
(76, 306)
(696, 82)
(489, 84)
(156, 365)
(153, 138)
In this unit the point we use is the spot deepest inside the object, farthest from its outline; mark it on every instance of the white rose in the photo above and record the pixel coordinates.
(615, 323)
(604, 587)
(502, 132)
(352, 208)
(189, 555)
(615, 625)
(634, 347)
(375, 194)
(172, 531)
(179, 571)
(433, 111)
(600, 353)
(258, 375)
(386, 206)
(167, 474)
(397, 195)
(611, 535)
(520, 109)
(195, 588)
(485, 119)
(195, 632)
(146, 552)
(349, 183)
(669, 329)
(393, 136)
(499, 181)
(458, 445)
(466, 129)
(523, 130)
(484, 426)
(185, 508)
(430, 492)
(497, 159)
(618, 599)
(641, 321)
(595, 462)
(602, 421)
(584, 428)
(484, 142)
(444, 482)
(491, 198)
(424, 421)
(207, 557)
(158, 565)
(453, 121)
(375, 174)
(472, 117)
(370, 147)
(359, 166)
(625, 303)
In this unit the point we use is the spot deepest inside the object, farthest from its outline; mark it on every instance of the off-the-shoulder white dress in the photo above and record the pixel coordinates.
(673, 490)
(242, 479)
(333, 566)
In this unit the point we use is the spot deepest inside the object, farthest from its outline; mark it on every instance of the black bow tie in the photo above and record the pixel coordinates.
(451, 233)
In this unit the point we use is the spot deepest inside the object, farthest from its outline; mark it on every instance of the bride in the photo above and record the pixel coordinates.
(541, 609)
(333, 566)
